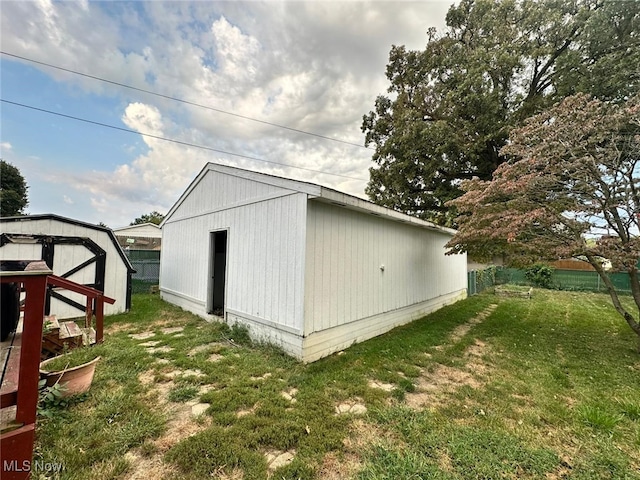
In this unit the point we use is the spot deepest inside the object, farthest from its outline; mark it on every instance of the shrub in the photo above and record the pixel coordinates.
(539, 275)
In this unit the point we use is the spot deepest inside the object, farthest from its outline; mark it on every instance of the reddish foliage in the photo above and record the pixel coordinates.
(571, 189)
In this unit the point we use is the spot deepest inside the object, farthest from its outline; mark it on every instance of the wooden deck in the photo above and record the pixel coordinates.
(10, 363)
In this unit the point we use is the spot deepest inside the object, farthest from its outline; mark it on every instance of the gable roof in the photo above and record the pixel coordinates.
(314, 191)
(71, 221)
(140, 230)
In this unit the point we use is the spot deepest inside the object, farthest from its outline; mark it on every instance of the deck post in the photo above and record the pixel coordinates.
(16, 446)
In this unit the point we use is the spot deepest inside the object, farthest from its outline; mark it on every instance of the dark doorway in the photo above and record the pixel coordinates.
(218, 272)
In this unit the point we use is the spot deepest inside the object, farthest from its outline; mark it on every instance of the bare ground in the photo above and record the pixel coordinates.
(181, 424)
(433, 386)
(431, 392)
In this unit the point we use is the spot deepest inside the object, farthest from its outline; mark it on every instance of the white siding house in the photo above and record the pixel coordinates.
(84, 253)
(302, 266)
(144, 236)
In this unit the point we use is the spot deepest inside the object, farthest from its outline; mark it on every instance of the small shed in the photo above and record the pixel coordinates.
(144, 236)
(82, 252)
(305, 267)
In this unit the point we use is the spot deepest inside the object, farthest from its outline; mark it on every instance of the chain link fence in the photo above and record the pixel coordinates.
(147, 266)
(576, 280)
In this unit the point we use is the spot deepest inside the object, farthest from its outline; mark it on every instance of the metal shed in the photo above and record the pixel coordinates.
(82, 252)
(305, 267)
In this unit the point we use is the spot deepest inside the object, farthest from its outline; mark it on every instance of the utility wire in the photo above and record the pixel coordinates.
(187, 102)
(180, 142)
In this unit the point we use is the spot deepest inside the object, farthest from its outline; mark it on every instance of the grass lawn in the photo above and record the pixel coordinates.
(488, 388)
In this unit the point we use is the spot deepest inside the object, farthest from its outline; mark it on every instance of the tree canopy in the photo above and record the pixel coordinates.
(153, 217)
(451, 106)
(13, 190)
(572, 189)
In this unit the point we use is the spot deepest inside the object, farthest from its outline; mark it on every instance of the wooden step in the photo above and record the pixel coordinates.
(70, 330)
(65, 336)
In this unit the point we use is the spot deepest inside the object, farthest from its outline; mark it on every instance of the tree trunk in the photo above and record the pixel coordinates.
(628, 317)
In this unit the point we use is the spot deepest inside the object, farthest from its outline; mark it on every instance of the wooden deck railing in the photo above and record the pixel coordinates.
(20, 380)
(92, 295)
(20, 372)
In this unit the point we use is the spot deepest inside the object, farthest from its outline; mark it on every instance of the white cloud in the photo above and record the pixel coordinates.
(68, 200)
(314, 66)
(5, 146)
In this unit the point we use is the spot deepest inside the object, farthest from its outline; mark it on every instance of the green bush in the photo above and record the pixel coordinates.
(539, 275)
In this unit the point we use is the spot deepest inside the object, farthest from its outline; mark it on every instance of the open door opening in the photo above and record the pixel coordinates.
(218, 270)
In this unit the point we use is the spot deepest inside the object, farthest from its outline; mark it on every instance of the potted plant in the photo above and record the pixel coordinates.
(72, 371)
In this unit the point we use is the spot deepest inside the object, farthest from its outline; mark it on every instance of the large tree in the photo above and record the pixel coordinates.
(572, 189)
(13, 191)
(452, 105)
(153, 217)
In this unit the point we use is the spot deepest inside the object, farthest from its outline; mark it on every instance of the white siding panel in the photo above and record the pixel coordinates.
(68, 256)
(322, 343)
(345, 250)
(215, 191)
(265, 248)
(20, 251)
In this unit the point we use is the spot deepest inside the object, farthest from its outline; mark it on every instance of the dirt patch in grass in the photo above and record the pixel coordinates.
(207, 347)
(181, 424)
(142, 335)
(118, 328)
(463, 329)
(147, 378)
(235, 474)
(148, 467)
(339, 467)
(363, 435)
(387, 387)
(215, 357)
(248, 411)
(353, 407)
(432, 387)
(276, 458)
(172, 330)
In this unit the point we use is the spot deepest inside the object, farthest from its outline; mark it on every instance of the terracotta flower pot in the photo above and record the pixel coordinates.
(76, 380)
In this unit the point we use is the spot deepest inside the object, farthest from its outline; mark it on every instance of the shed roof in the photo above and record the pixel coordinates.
(315, 192)
(150, 230)
(71, 221)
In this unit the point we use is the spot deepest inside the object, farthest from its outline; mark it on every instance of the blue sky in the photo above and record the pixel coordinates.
(313, 66)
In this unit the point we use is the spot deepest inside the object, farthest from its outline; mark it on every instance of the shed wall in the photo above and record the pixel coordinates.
(344, 281)
(265, 251)
(68, 256)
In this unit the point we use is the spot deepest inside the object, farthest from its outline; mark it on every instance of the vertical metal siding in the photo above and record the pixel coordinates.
(345, 249)
(265, 250)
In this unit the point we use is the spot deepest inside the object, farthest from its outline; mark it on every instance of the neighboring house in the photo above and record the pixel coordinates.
(305, 267)
(82, 252)
(145, 236)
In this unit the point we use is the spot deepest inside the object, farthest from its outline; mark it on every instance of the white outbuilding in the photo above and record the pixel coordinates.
(144, 236)
(82, 252)
(302, 266)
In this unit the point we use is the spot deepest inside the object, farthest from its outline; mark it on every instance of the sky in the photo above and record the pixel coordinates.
(312, 66)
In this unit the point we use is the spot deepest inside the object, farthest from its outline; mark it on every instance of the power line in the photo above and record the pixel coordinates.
(187, 102)
(180, 142)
